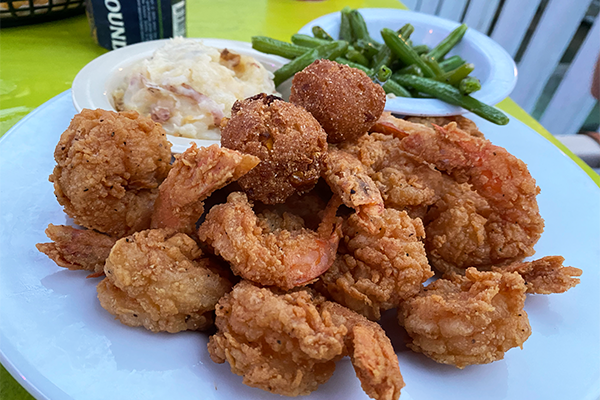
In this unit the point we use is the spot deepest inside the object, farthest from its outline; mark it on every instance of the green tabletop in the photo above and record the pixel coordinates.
(38, 62)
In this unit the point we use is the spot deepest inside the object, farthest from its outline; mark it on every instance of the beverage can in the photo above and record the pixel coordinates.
(118, 23)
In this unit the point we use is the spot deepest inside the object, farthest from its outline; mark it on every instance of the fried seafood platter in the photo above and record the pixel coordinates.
(313, 222)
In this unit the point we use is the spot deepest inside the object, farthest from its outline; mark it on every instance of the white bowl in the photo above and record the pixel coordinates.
(494, 67)
(94, 84)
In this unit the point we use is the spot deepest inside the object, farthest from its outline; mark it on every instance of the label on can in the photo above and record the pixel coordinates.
(117, 23)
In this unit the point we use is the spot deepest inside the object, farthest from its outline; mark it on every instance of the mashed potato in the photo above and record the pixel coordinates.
(189, 87)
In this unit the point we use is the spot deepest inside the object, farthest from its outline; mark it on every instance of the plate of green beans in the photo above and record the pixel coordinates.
(428, 66)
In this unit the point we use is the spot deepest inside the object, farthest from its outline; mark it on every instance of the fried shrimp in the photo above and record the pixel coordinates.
(546, 275)
(279, 343)
(347, 177)
(158, 279)
(403, 182)
(77, 249)
(505, 201)
(401, 128)
(290, 143)
(462, 123)
(262, 250)
(288, 343)
(376, 272)
(344, 100)
(108, 169)
(196, 173)
(371, 352)
(465, 320)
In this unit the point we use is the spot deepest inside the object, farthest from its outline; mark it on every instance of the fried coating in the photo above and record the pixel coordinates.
(344, 100)
(375, 272)
(371, 352)
(158, 279)
(403, 182)
(348, 178)
(269, 251)
(196, 173)
(288, 343)
(279, 343)
(77, 249)
(465, 320)
(512, 219)
(401, 128)
(288, 140)
(546, 275)
(108, 168)
(462, 123)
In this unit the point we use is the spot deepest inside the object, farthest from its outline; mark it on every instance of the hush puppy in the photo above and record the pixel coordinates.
(288, 140)
(343, 99)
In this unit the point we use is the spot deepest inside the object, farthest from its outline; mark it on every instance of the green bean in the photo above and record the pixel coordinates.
(406, 31)
(469, 85)
(383, 57)
(307, 41)
(382, 74)
(452, 95)
(404, 52)
(431, 63)
(345, 28)
(411, 70)
(320, 33)
(333, 50)
(357, 57)
(330, 50)
(342, 60)
(296, 65)
(359, 28)
(390, 86)
(366, 48)
(448, 43)
(452, 63)
(277, 47)
(458, 74)
(421, 49)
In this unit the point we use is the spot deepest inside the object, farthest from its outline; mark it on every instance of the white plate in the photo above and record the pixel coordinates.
(493, 65)
(58, 342)
(94, 84)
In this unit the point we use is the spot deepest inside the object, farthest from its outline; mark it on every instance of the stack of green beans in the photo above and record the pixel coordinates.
(401, 67)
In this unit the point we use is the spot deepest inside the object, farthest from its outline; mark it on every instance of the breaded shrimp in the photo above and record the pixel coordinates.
(159, 279)
(108, 169)
(347, 177)
(288, 343)
(546, 275)
(196, 173)
(279, 343)
(462, 123)
(465, 320)
(512, 220)
(376, 272)
(401, 128)
(344, 100)
(265, 251)
(77, 249)
(371, 352)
